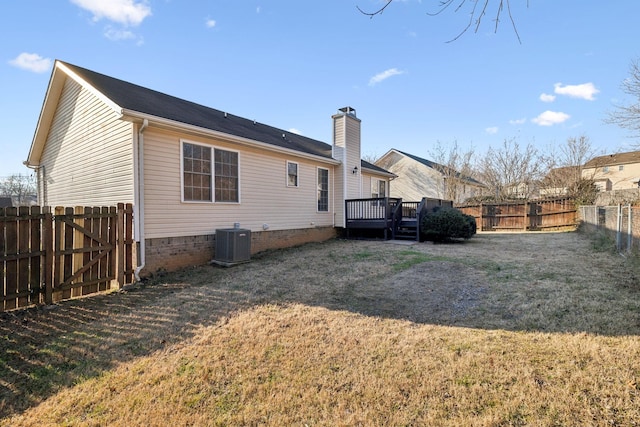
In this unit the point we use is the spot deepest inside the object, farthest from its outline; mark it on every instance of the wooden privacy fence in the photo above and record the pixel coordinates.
(47, 257)
(532, 215)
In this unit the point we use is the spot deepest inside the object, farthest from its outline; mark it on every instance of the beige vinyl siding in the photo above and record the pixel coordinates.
(265, 197)
(414, 180)
(88, 155)
(366, 185)
(352, 158)
(626, 178)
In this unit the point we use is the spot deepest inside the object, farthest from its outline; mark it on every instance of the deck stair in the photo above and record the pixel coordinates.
(407, 229)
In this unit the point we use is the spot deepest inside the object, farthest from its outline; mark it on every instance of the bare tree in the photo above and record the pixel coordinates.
(566, 171)
(511, 172)
(18, 186)
(627, 116)
(455, 165)
(477, 10)
(370, 157)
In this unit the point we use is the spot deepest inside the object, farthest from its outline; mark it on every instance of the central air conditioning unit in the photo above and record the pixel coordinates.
(233, 246)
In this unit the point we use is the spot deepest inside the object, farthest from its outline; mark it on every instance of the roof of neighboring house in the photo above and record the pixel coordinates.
(614, 159)
(135, 100)
(563, 172)
(6, 202)
(438, 166)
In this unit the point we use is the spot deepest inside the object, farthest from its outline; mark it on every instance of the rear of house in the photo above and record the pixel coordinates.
(190, 170)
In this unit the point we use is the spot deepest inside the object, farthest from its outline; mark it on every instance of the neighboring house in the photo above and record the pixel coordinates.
(559, 181)
(418, 178)
(190, 170)
(614, 171)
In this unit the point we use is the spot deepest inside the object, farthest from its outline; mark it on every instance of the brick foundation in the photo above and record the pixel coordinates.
(173, 253)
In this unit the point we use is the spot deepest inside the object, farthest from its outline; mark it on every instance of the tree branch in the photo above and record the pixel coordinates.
(475, 17)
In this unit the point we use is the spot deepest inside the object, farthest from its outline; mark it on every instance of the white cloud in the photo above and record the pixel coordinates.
(118, 34)
(583, 91)
(125, 12)
(492, 130)
(518, 121)
(384, 75)
(32, 62)
(550, 118)
(545, 97)
(210, 23)
(296, 131)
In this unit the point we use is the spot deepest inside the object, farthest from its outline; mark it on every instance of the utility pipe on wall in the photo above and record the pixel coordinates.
(139, 198)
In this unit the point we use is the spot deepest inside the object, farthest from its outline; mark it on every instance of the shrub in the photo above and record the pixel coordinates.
(446, 224)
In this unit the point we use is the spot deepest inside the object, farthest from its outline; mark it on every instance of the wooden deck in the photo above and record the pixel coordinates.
(393, 217)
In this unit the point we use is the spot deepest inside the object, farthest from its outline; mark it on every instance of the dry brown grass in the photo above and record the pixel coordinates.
(513, 329)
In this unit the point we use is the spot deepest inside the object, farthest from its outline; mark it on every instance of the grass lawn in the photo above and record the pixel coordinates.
(501, 330)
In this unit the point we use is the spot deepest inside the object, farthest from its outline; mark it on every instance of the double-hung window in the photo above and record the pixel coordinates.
(292, 174)
(378, 188)
(209, 174)
(323, 190)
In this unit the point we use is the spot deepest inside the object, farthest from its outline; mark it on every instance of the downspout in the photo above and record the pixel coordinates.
(138, 162)
(39, 171)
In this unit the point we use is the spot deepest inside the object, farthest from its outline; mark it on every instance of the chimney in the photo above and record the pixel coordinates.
(346, 149)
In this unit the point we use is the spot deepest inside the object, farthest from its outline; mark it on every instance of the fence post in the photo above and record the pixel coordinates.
(47, 248)
(619, 227)
(629, 229)
(120, 236)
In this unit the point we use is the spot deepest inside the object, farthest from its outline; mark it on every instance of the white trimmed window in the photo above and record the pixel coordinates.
(209, 174)
(292, 174)
(378, 188)
(323, 190)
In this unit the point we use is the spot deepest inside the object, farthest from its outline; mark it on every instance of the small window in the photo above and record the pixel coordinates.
(605, 169)
(292, 174)
(621, 168)
(323, 190)
(378, 188)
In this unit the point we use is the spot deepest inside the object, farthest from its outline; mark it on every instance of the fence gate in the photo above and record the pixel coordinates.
(74, 252)
(84, 252)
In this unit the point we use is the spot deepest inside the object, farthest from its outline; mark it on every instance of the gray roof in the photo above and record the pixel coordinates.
(440, 167)
(614, 159)
(142, 100)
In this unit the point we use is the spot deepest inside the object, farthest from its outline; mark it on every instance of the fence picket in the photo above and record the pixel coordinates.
(3, 254)
(11, 265)
(46, 257)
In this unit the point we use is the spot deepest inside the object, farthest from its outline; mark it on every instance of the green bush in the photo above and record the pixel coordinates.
(446, 224)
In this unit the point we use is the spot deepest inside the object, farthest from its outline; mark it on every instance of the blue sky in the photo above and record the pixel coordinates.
(292, 64)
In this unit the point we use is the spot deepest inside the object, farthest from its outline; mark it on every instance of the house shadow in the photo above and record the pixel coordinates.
(46, 349)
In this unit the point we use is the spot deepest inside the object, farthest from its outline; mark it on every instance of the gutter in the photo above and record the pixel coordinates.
(37, 170)
(138, 216)
(160, 122)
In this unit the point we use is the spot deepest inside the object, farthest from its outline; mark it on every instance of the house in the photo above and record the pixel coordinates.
(418, 178)
(614, 171)
(190, 170)
(560, 181)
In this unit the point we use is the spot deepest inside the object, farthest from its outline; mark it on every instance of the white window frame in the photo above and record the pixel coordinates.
(297, 184)
(376, 183)
(318, 169)
(213, 149)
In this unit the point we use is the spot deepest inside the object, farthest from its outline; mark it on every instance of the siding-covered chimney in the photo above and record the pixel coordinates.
(346, 148)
